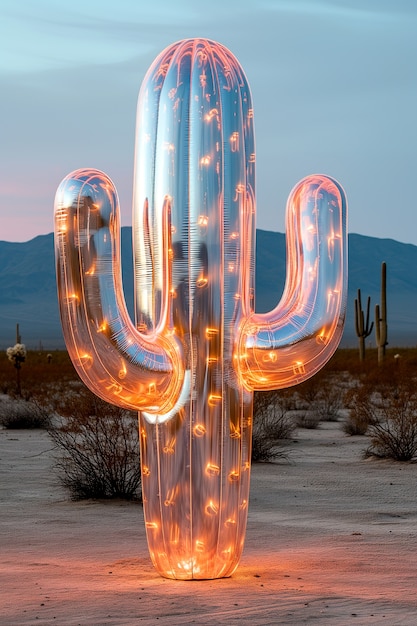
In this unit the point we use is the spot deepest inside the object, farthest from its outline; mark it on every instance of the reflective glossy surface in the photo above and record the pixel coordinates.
(198, 349)
(291, 343)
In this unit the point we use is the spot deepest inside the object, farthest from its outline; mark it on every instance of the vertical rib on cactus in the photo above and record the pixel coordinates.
(381, 327)
(193, 230)
(363, 330)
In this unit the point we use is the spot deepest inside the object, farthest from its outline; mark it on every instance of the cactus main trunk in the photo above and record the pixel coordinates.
(198, 157)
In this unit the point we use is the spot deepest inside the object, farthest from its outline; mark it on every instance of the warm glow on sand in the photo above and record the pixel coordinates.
(330, 539)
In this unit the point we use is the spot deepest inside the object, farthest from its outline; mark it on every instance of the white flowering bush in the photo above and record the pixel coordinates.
(17, 354)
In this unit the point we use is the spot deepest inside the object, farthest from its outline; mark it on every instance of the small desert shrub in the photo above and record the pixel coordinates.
(394, 433)
(360, 401)
(320, 397)
(355, 424)
(272, 425)
(384, 405)
(97, 450)
(307, 419)
(20, 414)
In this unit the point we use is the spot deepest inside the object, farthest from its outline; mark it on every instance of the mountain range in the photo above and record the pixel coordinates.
(28, 288)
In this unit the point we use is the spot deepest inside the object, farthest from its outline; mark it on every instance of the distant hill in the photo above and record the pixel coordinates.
(28, 291)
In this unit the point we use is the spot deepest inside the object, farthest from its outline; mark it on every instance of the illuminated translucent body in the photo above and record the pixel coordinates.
(197, 349)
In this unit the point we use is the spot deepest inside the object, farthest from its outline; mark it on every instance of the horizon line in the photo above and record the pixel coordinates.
(277, 232)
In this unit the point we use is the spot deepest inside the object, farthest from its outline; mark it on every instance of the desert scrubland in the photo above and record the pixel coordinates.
(332, 526)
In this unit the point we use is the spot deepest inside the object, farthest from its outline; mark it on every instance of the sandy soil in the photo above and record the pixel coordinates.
(331, 538)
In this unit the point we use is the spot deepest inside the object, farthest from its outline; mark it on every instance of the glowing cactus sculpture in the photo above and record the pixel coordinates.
(198, 350)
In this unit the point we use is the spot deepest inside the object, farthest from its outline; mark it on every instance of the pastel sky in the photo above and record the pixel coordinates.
(334, 85)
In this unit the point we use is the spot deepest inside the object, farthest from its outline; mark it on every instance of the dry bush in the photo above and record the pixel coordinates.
(307, 419)
(21, 414)
(394, 432)
(320, 398)
(272, 424)
(384, 406)
(97, 449)
(361, 410)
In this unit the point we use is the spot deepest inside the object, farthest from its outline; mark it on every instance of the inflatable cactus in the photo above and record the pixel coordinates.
(197, 350)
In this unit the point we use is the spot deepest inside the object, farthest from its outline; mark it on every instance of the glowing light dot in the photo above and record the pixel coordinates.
(299, 367)
(212, 508)
(174, 533)
(230, 522)
(199, 430)
(212, 469)
(321, 337)
(214, 399)
(202, 281)
(212, 113)
(234, 431)
(200, 546)
(86, 359)
(203, 220)
(211, 332)
(234, 141)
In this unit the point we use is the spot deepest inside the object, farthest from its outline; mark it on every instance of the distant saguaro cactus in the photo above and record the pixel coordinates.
(381, 326)
(198, 349)
(362, 327)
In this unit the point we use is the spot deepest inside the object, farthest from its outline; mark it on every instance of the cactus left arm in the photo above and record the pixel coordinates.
(117, 362)
(292, 342)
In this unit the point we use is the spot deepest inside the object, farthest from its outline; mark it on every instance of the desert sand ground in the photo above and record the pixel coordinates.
(331, 539)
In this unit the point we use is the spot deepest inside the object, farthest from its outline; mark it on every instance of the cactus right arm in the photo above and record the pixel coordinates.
(293, 341)
(116, 361)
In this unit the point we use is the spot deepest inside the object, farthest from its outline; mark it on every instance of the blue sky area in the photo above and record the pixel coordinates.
(334, 85)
